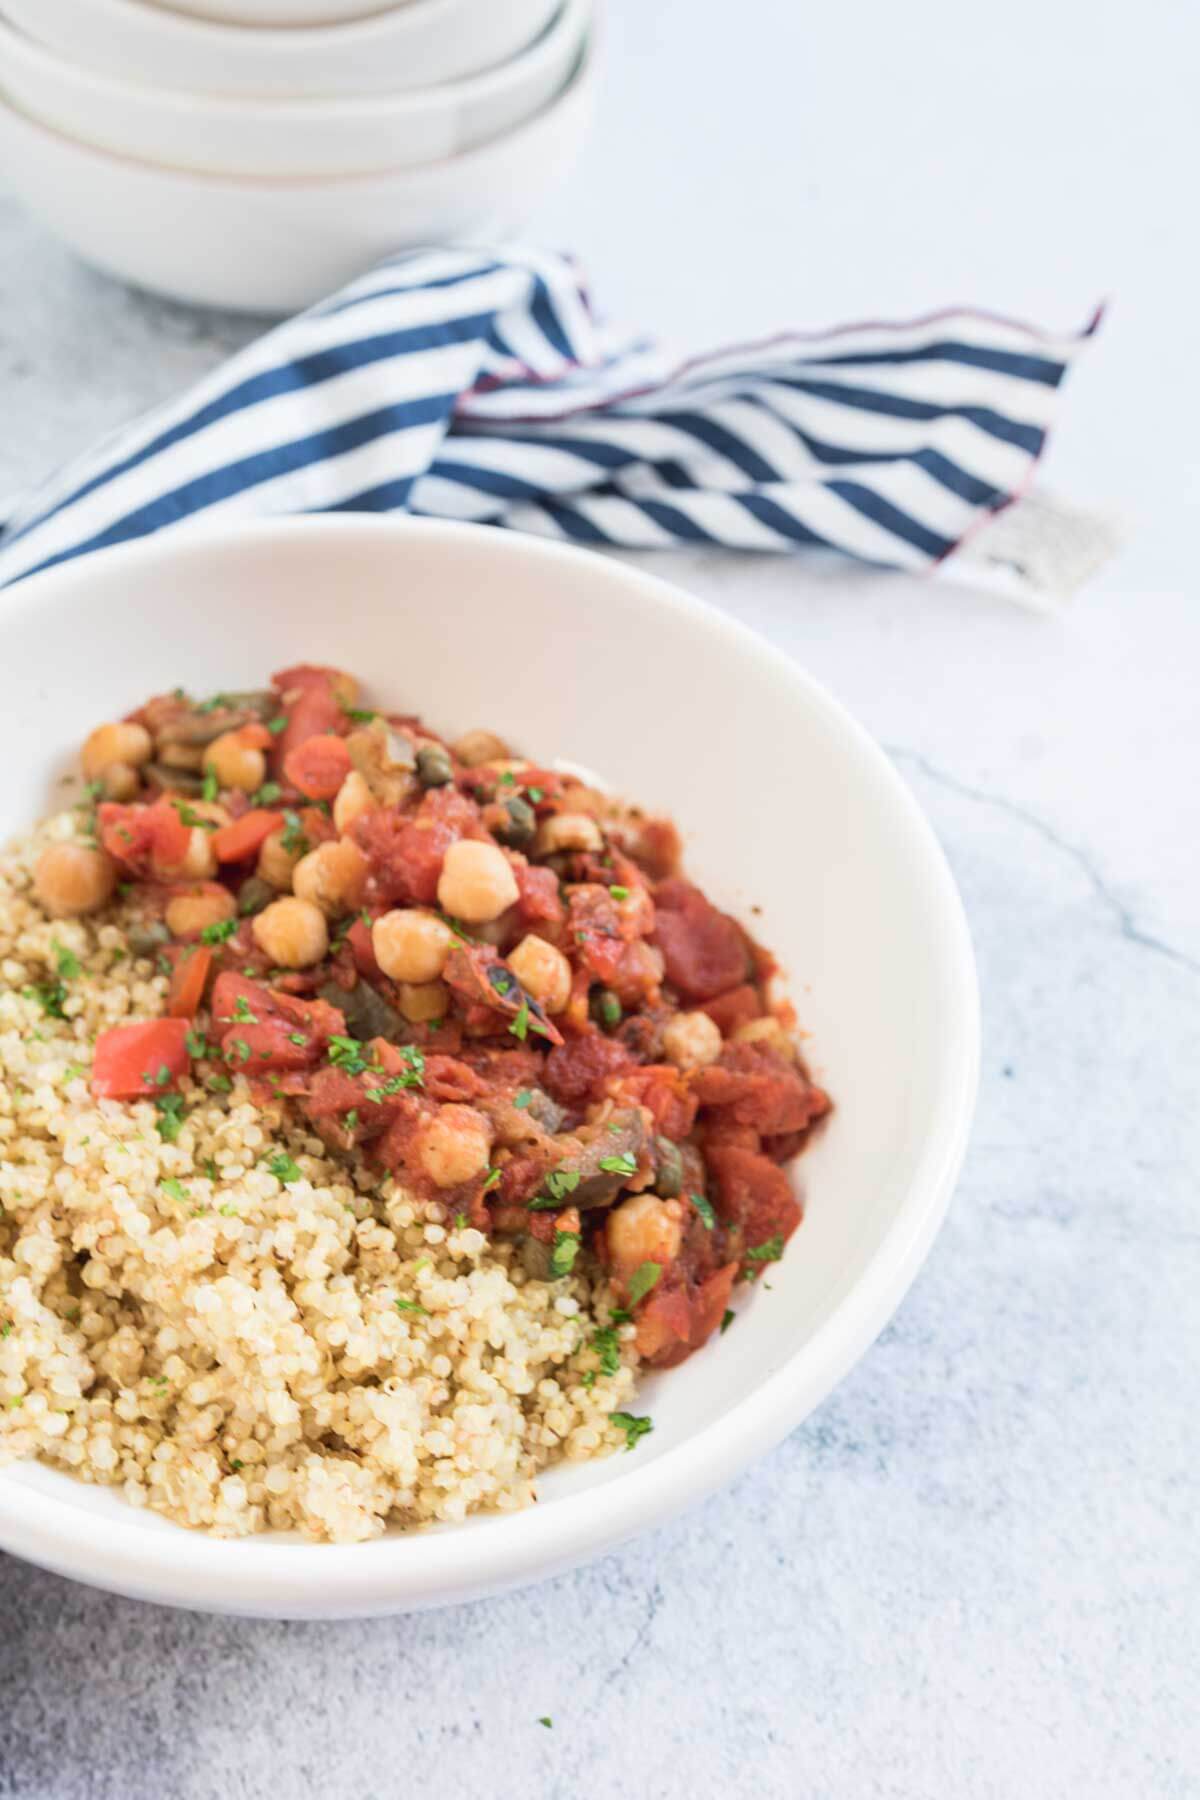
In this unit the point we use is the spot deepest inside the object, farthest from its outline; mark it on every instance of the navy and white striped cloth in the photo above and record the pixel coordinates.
(476, 384)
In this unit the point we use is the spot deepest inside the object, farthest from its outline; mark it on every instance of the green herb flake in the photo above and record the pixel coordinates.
(520, 1025)
(522, 1099)
(212, 786)
(73, 1071)
(219, 1084)
(771, 1251)
(547, 1721)
(69, 966)
(635, 1428)
(218, 703)
(191, 818)
(171, 1116)
(625, 1164)
(704, 1207)
(460, 1221)
(237, 1050)
(293, 841)
(410, 1306)
(351, 1118)
(298, 1038)
(346, 1053)
(277, 724)
(50, 996)
(644, 1277)
(559, 1183)
(218, 933)
(242, 1013)
(607, 1347)
(360, 715)
(563, 1254)
(619, 893)
(174, 1189)
(196, 1044)
(536, 794)
(267, 794)
(727, 1321)
(493, 1180)
(284, 1169)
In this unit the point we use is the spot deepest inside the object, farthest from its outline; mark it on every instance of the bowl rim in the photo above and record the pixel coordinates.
(569, 28)
(397, 20)
(408, 1572)
(582, 76)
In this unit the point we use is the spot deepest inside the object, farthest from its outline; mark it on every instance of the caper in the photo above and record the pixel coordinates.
(254, 894)
(605, 1008)
(668, 1177)
(521, 824)
(434, 768)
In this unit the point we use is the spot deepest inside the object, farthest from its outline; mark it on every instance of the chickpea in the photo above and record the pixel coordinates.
(275, 864)
(71, 879)
(643, 1229)
(121, 745)
(475, 747)
(410, 945)
(333, 876)
(200, 860)
(477, 883)
(235, 764)
(188, 914)
(768, 1032)
(354, 798)
(567, 831)
(422, 1001)
(543, 971)
(691, 1040)
(292, 933)
(455, 1145)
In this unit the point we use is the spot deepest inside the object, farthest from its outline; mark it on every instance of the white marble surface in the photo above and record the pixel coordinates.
(974, 1572)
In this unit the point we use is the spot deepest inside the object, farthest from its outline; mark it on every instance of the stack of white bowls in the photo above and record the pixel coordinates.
(258, 153)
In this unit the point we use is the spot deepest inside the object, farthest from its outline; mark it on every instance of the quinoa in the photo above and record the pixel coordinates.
(327, 1354)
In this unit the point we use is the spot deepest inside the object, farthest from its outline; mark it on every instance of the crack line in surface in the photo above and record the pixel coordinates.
(1126, 924)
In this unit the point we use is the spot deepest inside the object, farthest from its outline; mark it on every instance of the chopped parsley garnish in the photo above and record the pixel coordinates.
(644, 1277)
(351, 1119)
(212, 786)
(219, 1084)
(508, 779)
(520, 1025)
(293, 840)
(212, 1171)
(704, 1207)
(635, 1428)
(190, 817)
(242, 1013)
(50, 996)
(267, 794)
(73, 1071)
(771, 1251)
(625, 1164)
(619, 893)
(493, 1180)
(522, 1098)
(410, 1306)
(277, 724)
(608, 1348)
(298, 1038)
(237, 1050)
(562, 1256)
(92, 791)
(547, 1721)
(219, 932)
(346, 1053)
(460, 1221)
(69, 966)
(174, 1189)
(360, 715)
(727, 1321)
(170, 1119)
(284, 1169)
(559, 1183)
(535, 794)
(217, 704)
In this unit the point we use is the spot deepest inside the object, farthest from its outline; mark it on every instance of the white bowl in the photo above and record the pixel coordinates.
(275, 13)
(276, 246)
(414, 46)
(785, 804)
(290, 138)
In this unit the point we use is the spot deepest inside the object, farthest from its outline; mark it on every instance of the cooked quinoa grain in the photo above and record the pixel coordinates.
(202, 1307)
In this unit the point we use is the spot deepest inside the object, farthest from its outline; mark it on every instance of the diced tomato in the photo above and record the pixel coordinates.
(594, 926)
(145, 840)
(318, 766)
(737, 1006)
(709, 1303)
(664, 1325)
(760, 1088)
(753, 1194)
(139, 1061)
(405, 854)
(579, 1070)
(705, 951)
(245, 836)
(309, 704)
(362, 948)
(189, 976)
(262, 1028)
(662, 1090)
(446, 1078)
(539, 901)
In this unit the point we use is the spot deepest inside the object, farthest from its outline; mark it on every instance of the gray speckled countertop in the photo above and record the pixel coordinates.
(973, 1573)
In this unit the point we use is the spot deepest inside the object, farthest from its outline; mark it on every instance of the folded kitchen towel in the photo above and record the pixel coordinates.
(476, 384)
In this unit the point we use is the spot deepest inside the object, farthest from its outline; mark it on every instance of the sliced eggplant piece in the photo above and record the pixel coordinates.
(173, 781)
(367, 1014)
(604, 1157)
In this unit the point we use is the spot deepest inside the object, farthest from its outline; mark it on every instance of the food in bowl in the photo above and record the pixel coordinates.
(373, 1108)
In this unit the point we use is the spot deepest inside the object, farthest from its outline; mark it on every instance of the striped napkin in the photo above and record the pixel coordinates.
(476, 384)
